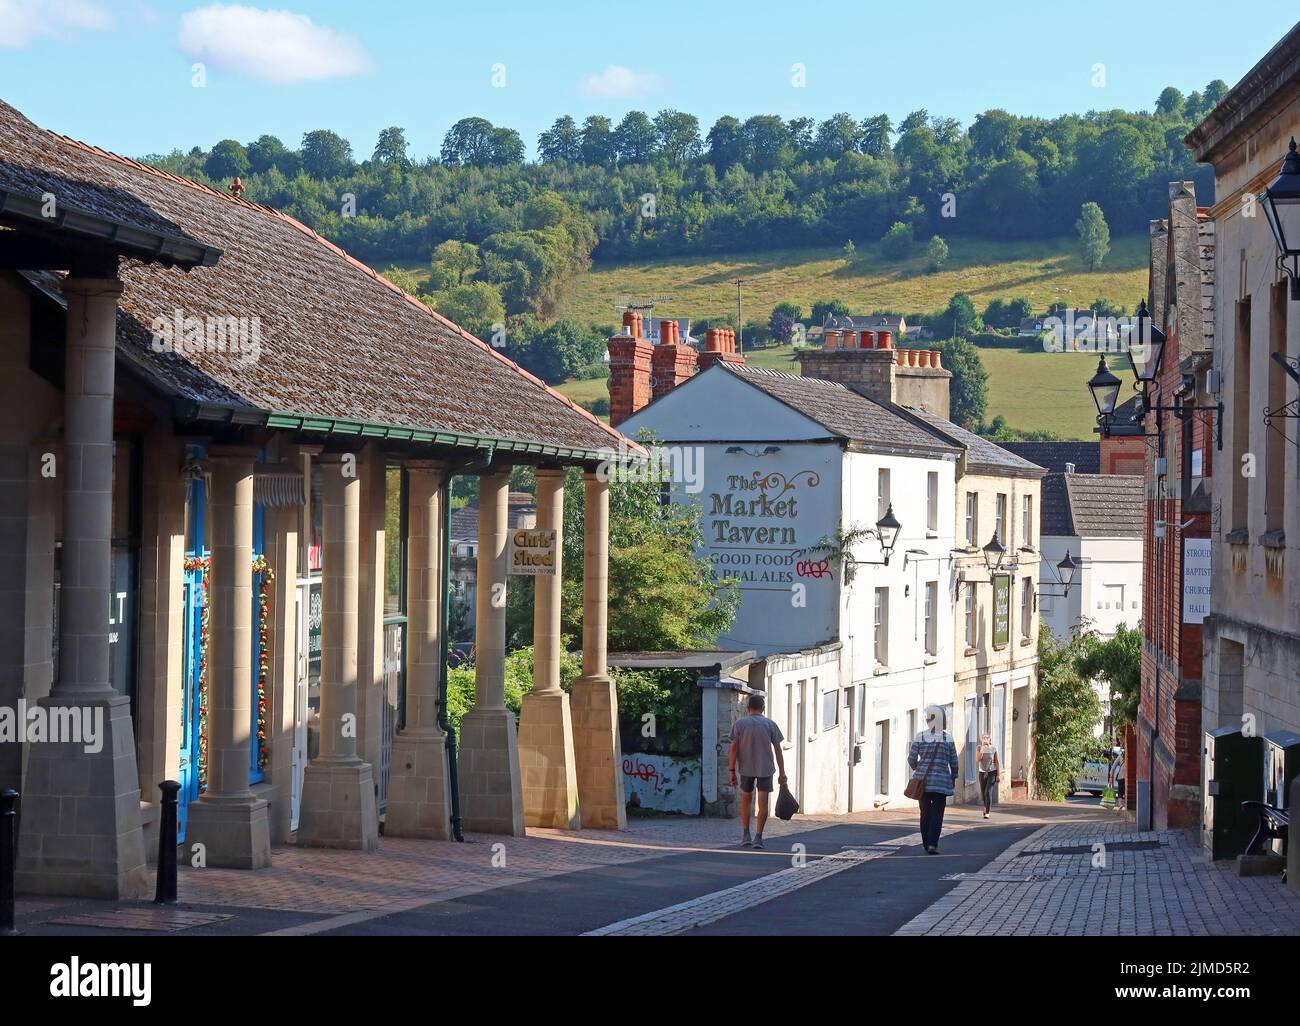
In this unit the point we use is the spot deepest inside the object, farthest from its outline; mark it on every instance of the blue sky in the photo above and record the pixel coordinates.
(117, 73)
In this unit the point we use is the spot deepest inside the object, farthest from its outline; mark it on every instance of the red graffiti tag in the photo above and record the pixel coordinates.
(812, 568)
(644, 771)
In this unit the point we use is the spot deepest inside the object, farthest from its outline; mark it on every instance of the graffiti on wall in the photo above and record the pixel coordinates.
(664, 783)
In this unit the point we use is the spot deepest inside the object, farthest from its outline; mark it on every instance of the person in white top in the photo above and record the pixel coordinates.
(990, 765)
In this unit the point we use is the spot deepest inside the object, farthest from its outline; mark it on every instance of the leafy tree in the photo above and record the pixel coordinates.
(836, 136)
(1066, 714)
(726, 144)
(458, 258)
(918, 119)
(1170, 103)
(1118, 662)
(470, 142)
(1094, 235)
(678, 136)
(391, 147)
(781, 326)
(635, 138)
(228, 159)
(598, 146)
(874, 138)
(326, 155)
(936, 253)
(768, 145)
(960, 315)
(824, 308)
(561, 143)
(968, 390)
(475, 306)
(507, 147)
(792, 310)
(994, 136)
(897, 243)
(268, 152)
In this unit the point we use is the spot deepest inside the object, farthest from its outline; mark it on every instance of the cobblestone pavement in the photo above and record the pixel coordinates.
(1136, 883)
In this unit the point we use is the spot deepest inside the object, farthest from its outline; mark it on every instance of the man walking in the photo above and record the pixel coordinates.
(756, 753)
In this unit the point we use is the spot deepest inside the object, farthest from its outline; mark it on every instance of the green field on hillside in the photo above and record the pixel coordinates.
(1044, 272)
(1032, 389)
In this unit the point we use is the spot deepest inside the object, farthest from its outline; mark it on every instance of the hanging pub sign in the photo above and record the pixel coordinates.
(532, 552)
(1001, 609)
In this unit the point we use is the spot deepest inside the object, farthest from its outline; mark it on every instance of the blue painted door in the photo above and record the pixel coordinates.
(194, 599)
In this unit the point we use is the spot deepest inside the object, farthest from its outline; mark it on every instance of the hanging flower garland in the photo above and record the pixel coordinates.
(202, 564)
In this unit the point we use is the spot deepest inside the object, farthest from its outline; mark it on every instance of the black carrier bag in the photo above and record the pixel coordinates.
(786, 806)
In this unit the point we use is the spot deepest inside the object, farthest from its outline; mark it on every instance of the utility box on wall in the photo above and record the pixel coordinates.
(1232, 772)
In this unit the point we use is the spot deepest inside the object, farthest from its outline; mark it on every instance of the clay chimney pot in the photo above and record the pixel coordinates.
(867, 340)
(885, 340)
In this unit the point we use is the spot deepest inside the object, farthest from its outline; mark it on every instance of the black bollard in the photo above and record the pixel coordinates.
(166, 892)
(8, 856)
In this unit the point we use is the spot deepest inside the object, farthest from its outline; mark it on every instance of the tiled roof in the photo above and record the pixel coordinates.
(338, 341)
(464, 521)
(1093, 505)
(842, 411)
(1086, 456)
(982, 456)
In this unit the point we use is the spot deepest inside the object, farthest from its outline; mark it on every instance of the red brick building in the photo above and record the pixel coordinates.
(1178, 462)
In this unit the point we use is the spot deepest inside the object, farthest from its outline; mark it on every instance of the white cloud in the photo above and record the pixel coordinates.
(617, 82)
(22, 21)
(275, 46)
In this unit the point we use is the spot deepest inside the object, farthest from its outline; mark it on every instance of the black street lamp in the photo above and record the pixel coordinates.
(887, 528)
(1064, 571)
(1282, 208)
(1149, 345)
(994, 552)
(1104, 387)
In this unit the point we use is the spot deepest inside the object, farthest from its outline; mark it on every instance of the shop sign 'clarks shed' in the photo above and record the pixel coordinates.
(224, 455)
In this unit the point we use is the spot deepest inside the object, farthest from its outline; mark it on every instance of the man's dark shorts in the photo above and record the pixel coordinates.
(747, 784)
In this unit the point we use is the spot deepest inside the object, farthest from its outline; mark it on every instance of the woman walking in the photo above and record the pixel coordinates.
(933, 758)
(990, 765)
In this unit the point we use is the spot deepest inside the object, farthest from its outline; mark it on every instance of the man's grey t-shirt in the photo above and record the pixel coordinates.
(754, 735)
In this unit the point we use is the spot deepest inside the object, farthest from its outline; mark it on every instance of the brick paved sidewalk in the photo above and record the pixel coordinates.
(1145, 884)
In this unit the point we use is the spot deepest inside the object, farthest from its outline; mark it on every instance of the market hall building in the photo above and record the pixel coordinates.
(225, 449)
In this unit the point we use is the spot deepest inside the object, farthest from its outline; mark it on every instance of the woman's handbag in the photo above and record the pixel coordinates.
(916, 786)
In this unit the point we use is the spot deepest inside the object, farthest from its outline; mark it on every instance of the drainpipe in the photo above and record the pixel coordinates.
(444, 618)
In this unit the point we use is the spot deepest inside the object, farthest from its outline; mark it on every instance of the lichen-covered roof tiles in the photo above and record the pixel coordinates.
(337, 341)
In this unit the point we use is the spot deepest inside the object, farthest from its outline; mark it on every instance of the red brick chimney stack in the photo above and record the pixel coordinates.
(629, 369)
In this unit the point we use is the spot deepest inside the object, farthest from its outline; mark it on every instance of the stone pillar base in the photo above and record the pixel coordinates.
(598, 753)
(338, 806)
(234, 831)
(419, 800)
(491, 798)
(546, 762)
(80, 832)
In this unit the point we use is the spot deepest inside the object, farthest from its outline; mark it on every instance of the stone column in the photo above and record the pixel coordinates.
(491, 798)
(596, 745)
(372, 469)
(545, 727)
(81, 830)
(232, 825)
(338, 800)
(419, 801)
